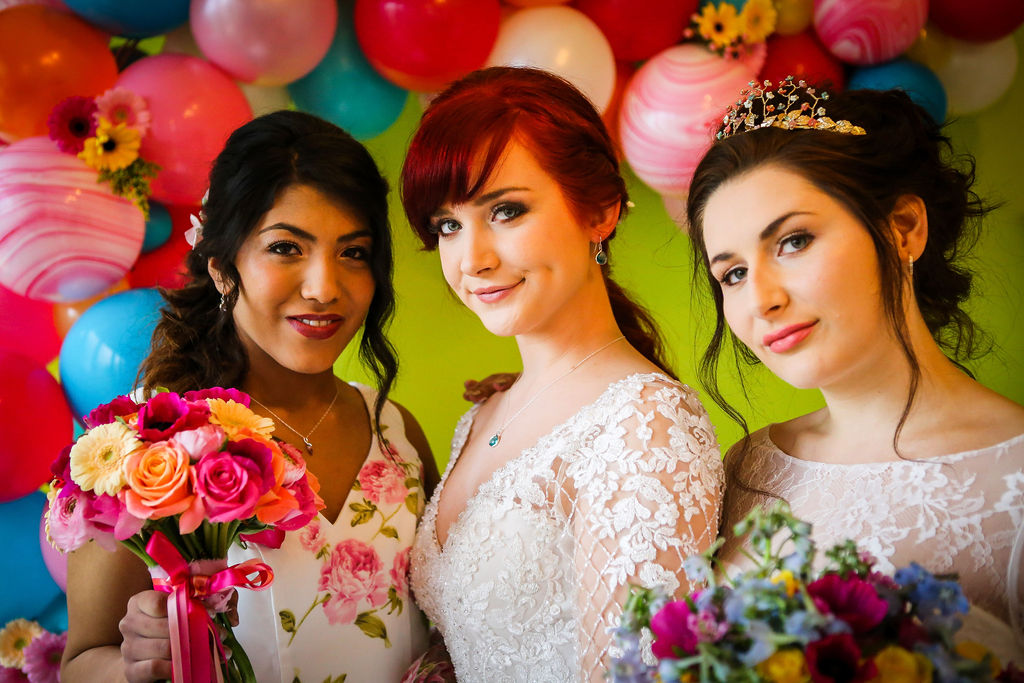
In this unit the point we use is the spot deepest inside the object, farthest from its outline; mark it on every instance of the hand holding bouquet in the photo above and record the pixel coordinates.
(178, 479)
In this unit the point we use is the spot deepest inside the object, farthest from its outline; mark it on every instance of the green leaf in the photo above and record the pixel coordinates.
(412, 483)
(287, 620)
(364, 512)
(356, 486)
(389, 531)
(324, 551)
(412, 502)
(372, 626)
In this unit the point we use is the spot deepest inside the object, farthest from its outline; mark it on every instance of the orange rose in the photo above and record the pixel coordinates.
(158, 481)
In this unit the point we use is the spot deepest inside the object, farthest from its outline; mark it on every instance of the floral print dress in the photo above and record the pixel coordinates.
(339, 609)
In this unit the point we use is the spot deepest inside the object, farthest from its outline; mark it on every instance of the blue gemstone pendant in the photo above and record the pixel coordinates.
(601, 258)
(494, 440)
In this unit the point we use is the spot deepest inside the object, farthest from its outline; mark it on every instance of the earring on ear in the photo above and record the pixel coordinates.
(600, 257)
(223, 304)
(910, 265)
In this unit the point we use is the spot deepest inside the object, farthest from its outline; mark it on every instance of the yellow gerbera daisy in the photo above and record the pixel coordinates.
(785, 666)
(113, 147)
(898, 665)
(14, 638)
(238, 421)
(758, 20)
(96, 457)
(720, 25)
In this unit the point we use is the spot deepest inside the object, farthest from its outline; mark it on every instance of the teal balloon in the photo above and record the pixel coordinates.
(132, 18)
(345, 89)
(28, 588)
(102, 352)
(158, 228)
(54, 617)
(917, 80)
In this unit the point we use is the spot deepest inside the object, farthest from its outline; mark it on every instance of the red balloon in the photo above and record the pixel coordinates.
(35, 424)
(26, 327)
(165, 266)
(979, 22)
(424, 45)
(638, 30)
(802, 56)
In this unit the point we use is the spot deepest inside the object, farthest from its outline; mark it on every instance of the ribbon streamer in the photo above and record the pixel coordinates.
(192, 628)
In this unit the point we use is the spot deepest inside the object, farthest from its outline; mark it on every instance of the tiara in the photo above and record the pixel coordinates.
(779, 109)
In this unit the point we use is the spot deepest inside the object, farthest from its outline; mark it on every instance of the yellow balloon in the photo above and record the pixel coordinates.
(793, 16)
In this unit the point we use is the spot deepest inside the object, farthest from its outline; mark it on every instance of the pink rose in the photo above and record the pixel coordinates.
(383, 482)
(108, 412)
(218, 392)
(400, 573)
(200, 441)
(167, 413)
(353, 573)
(311, 537)
(230, 483)
(66, 523)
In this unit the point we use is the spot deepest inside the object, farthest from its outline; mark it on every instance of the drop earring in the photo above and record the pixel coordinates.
(910, 265)
(223, 304)
(600, 257)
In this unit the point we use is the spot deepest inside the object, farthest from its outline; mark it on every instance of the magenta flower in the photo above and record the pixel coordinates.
(61, 466)
(672, 632)
(230, 483)
(108, 412)
(168, 413)
(71, 123)
(836, 659)
(309, 505)
(42, 657)
(218, 392)
(108, 515)
(11, 675)
(352, 574)
(850, 599)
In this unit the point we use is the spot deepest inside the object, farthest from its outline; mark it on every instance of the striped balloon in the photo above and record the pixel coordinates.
(869, 31)
(672, 106)
(63, 235)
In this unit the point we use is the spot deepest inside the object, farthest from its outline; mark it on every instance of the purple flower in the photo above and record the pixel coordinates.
(672, 632)
(168, 413)
(218, 392)
(850, 599)
(71, 123)
(836, 659)
(108, 412)
(42, 657)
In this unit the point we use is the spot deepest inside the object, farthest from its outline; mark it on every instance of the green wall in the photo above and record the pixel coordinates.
(440, 343)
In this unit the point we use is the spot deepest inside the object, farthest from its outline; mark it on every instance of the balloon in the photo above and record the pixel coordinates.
(793, 16)
(26, 327)
(103, 350)
(28, 587)
(45, 56)
(636, 34)
(801, 56)
(54, 617)
(65, 315)
(345, 89)
(56, 4)
(624, 72)
(535, 3)
(63, 235)
(562, 40)
(165, 267)
(902, 74)
(266, 42)
(180, 41)
(958, 63)
(675, 207)
(158, 228)
(35, 424)
(264, 99)
(979, 22)
(56, 561)
(132, 19)
(426, 44)
(193, 106)
(868, 31)
(672, 106)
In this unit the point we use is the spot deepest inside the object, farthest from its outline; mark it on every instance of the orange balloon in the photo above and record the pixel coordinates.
(45, 56)
(65, 315)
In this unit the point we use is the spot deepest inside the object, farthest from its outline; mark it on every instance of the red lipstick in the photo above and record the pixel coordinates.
(315, 326)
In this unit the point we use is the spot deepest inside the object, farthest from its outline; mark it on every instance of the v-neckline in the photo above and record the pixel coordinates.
(366, 458)
(470, 416)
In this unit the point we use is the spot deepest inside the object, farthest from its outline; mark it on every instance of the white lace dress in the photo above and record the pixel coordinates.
(535, 569)
(960, 513)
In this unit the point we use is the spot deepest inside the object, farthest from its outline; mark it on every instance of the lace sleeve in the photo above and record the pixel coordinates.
(647, 495)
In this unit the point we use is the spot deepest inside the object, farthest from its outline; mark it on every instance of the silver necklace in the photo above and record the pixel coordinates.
(305, 439)
(496, 438)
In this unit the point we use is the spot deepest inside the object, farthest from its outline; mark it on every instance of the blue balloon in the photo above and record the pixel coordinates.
(54, 618)
(158, 228)
(344, 88)
(102, 352)
(915, 79)
(131, 18)
(28, 588)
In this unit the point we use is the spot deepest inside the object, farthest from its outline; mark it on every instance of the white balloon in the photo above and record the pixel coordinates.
(974, 75)
(265, 98)
(562, 40)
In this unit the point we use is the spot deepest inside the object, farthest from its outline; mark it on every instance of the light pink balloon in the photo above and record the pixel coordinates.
(671, 107)
(63, 235)
(869, 31)
(265, 42)
(56, 562)
(194, 107)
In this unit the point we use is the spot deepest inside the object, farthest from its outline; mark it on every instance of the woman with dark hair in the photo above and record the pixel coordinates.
(597, 468)
(291, 261)
(831, 231)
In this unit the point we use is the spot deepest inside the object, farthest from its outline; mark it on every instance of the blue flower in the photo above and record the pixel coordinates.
(806, 625)
(698, 569)
(762, 644)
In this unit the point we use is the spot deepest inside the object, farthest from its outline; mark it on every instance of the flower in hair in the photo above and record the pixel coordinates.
(195, 234)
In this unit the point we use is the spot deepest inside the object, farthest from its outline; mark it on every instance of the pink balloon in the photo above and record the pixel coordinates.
(671, 107)
(26, 327)
(63, 235)
(266, 42)
(194, 107)
(869, 31)
(56, 562)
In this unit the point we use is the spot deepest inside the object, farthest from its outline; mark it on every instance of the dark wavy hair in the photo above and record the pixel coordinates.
(482, 112)
(195, 344)
(903, 152)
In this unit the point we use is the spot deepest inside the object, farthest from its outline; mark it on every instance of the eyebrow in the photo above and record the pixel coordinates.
(299, 232)
(482, 199)
(766, 234)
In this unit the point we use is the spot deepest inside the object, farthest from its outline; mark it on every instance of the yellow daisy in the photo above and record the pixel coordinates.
(237, 421)
(898, 665)
(720, 25)
(14, 638)
(785, 666)
(96, 457)
(113, 147)
(758, 20)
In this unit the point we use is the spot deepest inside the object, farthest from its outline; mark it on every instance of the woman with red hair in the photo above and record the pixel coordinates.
(598, 468)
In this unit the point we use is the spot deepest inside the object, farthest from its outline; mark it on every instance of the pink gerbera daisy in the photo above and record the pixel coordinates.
(72, 122)
(120, 105)
(42, 657)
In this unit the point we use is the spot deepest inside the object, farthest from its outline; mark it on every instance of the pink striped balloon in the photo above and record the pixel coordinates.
(869, 31)
(63, 235)
(671, 108)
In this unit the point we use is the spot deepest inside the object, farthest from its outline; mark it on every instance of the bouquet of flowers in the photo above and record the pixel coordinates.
(28, 652)
(177, 479)
(782, 622)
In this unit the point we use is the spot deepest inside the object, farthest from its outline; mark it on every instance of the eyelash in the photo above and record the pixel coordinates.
(279, 248)
(724, 280)
(516, 210)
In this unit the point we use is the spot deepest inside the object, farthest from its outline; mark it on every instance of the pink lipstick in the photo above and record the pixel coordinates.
(788, 337)
(490, 295)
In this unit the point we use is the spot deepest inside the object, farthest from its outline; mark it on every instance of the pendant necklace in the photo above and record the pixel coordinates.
(305, 439)
(496, 438)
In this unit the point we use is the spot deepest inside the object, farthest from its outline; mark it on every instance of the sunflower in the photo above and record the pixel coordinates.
(113, 147)
(720, 25)
(237, 421)
(758, 20)
(14, 638)
(97, 456)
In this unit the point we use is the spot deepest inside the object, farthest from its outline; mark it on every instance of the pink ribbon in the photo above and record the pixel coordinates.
(192, 628)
